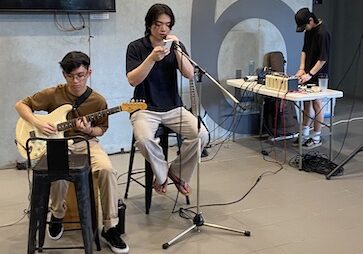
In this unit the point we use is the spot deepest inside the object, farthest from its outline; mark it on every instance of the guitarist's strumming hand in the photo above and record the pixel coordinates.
(45, 127)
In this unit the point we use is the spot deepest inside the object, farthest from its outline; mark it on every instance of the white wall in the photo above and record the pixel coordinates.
(31, 46)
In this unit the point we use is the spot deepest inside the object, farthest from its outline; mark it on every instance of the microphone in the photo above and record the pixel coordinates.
(177, 46)
(174, 45)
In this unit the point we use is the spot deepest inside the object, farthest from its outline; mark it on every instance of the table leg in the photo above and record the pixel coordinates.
(262, 115)
(300, 134)
(331, 130)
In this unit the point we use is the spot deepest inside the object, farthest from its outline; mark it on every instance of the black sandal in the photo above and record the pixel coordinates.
(180, 184)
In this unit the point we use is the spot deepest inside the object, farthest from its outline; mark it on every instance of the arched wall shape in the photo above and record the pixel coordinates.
(207, 36)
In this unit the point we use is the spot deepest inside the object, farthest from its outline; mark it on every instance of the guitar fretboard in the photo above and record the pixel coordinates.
(90, 118)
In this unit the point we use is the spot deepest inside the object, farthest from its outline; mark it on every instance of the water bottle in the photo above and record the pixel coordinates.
(121, 216)
(251, 68)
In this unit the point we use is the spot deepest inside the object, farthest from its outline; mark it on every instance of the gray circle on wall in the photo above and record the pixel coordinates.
(207, 35)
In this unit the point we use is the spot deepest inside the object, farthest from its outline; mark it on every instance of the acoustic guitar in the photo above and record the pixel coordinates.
(58, 117)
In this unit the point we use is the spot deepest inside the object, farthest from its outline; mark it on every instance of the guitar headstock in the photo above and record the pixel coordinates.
(133, 106)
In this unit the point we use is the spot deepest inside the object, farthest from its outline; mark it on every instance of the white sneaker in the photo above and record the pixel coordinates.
(311, 143)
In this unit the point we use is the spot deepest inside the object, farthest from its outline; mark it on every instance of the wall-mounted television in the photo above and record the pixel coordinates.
(57, 5)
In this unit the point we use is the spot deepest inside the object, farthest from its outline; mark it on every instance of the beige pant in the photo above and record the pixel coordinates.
(107, 184)
(180, 120)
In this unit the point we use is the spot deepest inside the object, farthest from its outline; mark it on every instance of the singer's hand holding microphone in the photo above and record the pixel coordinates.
(170, 42)
(174, 39)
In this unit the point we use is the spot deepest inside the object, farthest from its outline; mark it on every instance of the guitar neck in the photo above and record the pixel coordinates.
(90, 118)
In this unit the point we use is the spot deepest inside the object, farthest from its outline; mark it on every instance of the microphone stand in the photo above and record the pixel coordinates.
(198, 220)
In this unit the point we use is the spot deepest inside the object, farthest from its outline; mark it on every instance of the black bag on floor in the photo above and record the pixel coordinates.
(280, 117)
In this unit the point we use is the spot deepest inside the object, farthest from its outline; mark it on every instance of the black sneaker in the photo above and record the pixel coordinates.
(204, 153)
(311, 143)
(296, 141)
(113, 239)
(55, 228)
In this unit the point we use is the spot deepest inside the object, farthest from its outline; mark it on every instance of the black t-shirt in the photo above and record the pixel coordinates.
(160, 87)
(317, 47)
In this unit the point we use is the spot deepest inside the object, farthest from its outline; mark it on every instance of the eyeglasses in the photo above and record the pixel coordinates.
(78, 76)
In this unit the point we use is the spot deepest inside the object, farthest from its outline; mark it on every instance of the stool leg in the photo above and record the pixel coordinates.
(187, 200)
(148, 186)
(34, 219)
(164, 143)
(131, 163)
(82, 187)
(94, 214)
(43, 212)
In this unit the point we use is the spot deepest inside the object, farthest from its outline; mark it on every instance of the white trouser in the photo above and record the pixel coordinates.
(181, 121)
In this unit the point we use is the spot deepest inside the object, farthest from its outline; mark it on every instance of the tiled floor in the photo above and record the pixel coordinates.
(290, 212)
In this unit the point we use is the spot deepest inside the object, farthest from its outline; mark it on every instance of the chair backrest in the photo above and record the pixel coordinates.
(57, 155)
(276, 61)
(57, 159)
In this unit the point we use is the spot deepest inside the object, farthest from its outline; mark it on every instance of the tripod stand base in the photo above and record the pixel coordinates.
(350, 156)
(198, 221)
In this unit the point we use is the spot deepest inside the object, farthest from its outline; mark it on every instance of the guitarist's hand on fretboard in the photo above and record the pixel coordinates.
(83, 125)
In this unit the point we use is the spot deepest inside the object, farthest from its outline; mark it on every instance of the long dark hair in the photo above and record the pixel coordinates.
(154, 12)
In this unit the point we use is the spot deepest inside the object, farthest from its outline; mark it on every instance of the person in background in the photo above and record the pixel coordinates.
(314, 61)
(152, 69)
(76, 70)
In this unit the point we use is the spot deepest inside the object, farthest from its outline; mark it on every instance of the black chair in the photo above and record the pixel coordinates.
(162, 133)
(59, 164)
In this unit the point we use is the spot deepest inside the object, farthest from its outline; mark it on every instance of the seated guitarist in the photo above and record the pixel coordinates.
(76, 71)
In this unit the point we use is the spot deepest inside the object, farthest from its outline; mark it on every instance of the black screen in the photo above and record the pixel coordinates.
(57, 6)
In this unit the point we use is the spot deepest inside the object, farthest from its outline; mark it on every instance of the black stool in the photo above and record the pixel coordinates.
(163, 133)
(58, 164)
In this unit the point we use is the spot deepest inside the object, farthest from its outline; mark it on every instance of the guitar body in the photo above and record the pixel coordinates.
(24, 130)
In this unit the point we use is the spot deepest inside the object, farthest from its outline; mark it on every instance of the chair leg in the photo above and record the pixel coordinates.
(94, 214)
(35, 207)
(164, 143)
(32, 232)
(84, 208)
(148, 186)
(43, 212)
(187, 200)
(179, 141)
(131, 163)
